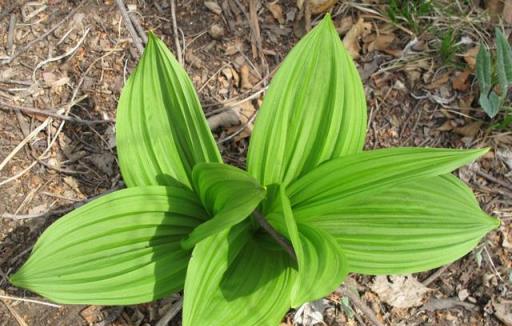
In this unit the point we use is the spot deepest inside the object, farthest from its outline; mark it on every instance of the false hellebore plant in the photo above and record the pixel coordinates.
(188, 221)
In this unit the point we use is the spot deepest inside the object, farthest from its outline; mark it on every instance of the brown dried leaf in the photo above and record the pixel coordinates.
(320, 6)
(470, 57)
(460, 82)
(401, 292)
(440, 81)
(244, 75)
(277, 11)
(351, 40)
(381, 42)
(469, 130)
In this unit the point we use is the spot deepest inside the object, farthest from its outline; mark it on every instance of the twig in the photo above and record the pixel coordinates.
(354, 298)
(282, 241)
(5, 297)
(138, 27)
(49, 113)
(435, 275)
(129, 26)
(30, 45)
(493, 179)
(15, 314)
(175, 32)
(10, 35)
(169, 315)
(59, 57)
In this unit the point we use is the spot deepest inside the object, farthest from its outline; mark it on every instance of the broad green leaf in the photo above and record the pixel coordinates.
(315, 110)
(410, 227)
(321, 265)
(228, 193)
(483, 70)
(359, 175)
(503, 63)
(161, 130)
(491, 103)
(123, 248)
(237, 278)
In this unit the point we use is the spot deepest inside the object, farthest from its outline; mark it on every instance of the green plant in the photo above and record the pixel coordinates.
(247, 246)
(491, 101)
(409, 12)
(447, 47)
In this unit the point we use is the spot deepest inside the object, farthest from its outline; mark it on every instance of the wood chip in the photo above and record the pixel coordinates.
(214, 7)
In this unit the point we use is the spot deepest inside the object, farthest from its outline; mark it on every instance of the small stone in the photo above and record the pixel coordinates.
(216, 31)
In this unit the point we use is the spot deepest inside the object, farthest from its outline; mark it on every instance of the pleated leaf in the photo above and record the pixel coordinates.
(236, 278)
(359, 175)
(123, 248)
(161, 131)
(228, 193)
(410, 227)
(315, 110)
(321, 265)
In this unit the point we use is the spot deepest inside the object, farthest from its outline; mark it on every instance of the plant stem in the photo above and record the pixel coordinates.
(282, 241)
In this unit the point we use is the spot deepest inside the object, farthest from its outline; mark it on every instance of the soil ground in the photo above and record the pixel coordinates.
(418, 68)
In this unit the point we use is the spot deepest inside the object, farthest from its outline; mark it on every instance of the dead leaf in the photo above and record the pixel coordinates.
(460, 82)
(214, 7)
(277, 11)
(345, 25)
(320, 6)
(104, 162)
(245, 112)
(401, 292)
(447, 125)
(469, 130)
(244, 75)
(439, 81)
(311, 313)
(91, 314)
(505, 156)
(470, 57)
(381, 42)
(503, 311)
(351, 40)
(507, 11)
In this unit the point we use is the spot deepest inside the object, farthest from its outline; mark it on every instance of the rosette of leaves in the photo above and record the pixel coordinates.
(247, 246)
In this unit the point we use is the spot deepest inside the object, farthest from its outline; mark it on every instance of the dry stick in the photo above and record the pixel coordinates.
(138, 27)
(45, 34)
(493, 179)
(435, 275)
(49, 113)
(129, 26)
(30, 300)
(59, 57)
(175, 32)
(15, 314)
(10, 35)
(282, 241)
(354, 297)
(171, 313)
